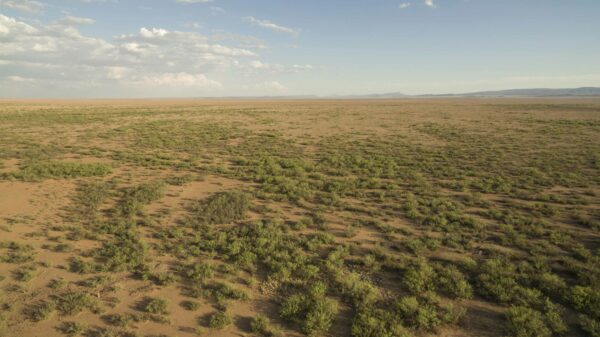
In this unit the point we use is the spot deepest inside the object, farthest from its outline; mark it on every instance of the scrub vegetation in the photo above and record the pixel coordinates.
(312, 218)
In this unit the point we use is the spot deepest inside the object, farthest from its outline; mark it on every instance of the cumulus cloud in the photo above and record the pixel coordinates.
(180, 79)
(430, 3)
(271, 26)
(276, 86)
(278, 68)
(404, 5)
(152, 33)
(57, 55)
(28, 6)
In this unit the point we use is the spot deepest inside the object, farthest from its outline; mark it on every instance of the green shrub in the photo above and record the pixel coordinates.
(553, 315)
(57, 283)
(71, 303)
(40, 311)
(72, 328)
(59, 170)
(125, 252)
(497, 280)
(180, 180)
(261, 327)
(190, 305)
(223, 291)
(419, 277)
(590, 325)
(156, 306)
(134, 198)
(219, 320)
(586, 300)
(419, 315)
(90, 197)
(200, 272)
(118, 320)
(24, 274)
(454, 283)
(551, 284)
(221, 208)
(18, 253)
(526, 322)
(371, 322)
(77, 265)
(360, 292)
(313, 311)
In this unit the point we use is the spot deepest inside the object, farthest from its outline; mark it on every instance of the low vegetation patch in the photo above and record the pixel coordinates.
(59, 170)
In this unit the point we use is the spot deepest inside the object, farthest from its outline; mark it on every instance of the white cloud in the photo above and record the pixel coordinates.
(258, 65)
(117, 73)
(271, 26)
(430, 3)
(180, 79)
(278, 68)
(404, 5)
(275, 86)
(153, 32)
(301, 67)
(9, 26)
(58, 56)
(20, 79)
(28, 6)
(76, 20)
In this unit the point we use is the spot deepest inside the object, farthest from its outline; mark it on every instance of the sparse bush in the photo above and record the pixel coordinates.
(57, 283)
(219, 320)
(118, 320)
(313, 311)
(526, 322)
(18, 253)
(261, 327)
(40, 311)
(71, 303)
(590, 325)
(371, 322)
(221, 208)
(454, 283)
(156, 306)
(419, 277)
(125, 252)
(200, 272)
(134, 198)
(180, 180)
(40, 171)
(586, 300)
(190, 305)
(72, 328)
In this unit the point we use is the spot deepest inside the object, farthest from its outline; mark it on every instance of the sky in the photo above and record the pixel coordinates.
(208, 48)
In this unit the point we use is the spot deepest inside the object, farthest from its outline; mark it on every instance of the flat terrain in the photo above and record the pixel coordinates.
(442, 217)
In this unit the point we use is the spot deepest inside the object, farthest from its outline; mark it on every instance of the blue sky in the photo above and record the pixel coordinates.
(172, 48)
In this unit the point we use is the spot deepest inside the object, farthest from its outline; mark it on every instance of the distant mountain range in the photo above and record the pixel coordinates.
(538, 92)
(515, 93)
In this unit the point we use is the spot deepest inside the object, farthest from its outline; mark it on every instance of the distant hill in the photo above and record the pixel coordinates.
(539, 92)
(386, 95)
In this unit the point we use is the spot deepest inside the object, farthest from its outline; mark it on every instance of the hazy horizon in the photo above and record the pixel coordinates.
(221, 48)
